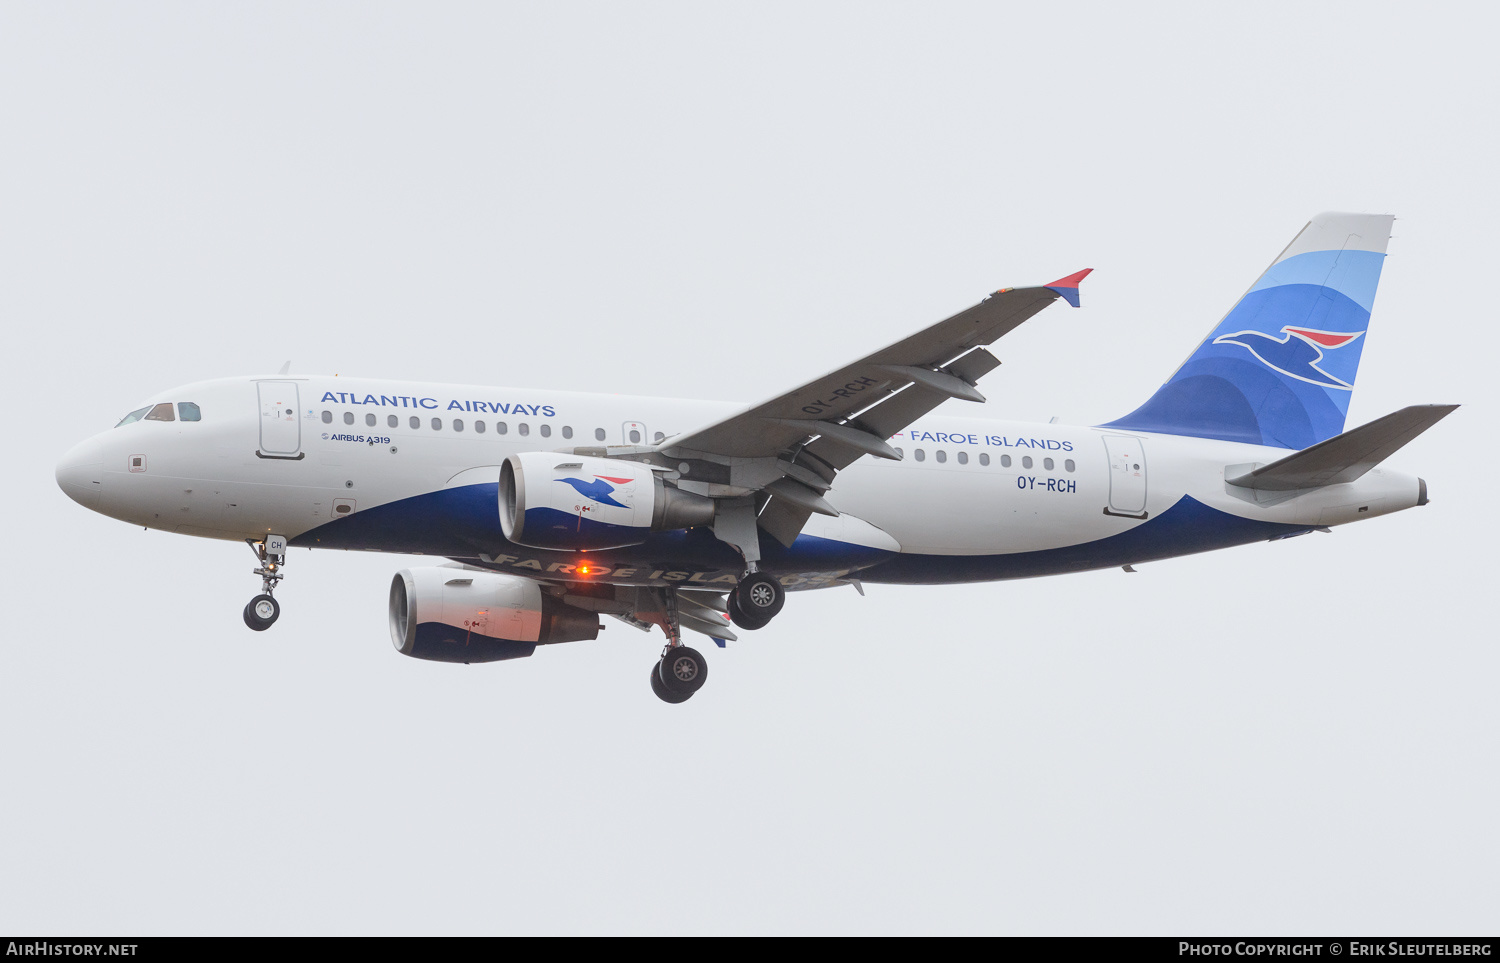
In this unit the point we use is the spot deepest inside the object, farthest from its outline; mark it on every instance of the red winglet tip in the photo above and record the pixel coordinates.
(1071, 281)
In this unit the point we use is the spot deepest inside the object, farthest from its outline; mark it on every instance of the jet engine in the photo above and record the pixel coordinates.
(457, 615)
(553, 500)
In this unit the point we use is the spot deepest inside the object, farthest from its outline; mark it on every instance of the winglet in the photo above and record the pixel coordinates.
(1068, 286)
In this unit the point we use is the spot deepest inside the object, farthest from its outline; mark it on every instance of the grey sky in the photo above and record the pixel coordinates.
(716, 201)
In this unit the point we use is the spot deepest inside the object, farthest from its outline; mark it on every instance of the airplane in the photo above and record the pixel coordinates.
(555, 508)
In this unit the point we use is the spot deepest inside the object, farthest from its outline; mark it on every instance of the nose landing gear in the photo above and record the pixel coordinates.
(263, 611)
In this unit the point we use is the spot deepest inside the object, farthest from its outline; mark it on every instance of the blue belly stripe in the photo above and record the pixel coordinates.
(463, 523)
(1188, 527)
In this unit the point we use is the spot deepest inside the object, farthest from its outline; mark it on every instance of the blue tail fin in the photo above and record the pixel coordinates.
(1279, 369)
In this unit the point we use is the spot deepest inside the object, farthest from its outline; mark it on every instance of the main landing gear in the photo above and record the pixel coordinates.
(263, 611)
(755, 601)
(681, 671)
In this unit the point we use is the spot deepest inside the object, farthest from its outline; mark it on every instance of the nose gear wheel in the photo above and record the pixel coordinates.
(262, 612)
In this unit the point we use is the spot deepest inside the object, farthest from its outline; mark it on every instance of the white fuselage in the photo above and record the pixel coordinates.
(402, 467)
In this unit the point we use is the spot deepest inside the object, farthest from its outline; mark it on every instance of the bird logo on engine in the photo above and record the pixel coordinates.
(600, 490)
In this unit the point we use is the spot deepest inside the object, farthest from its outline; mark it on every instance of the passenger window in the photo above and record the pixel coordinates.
(1068, 464)
(392, 421)
(984, 458)
(1025, 461)
(567, 431)
(162, 412)
(921, 455)
(134, 416)
(416, 422)
(187, 411)
(523, 428)
(370, 419)
(598, 434)
(963, 458)
(478, 427)
(635, 437)
(348, 417)
(458, 424)
(942, 456)
(500, 428)
(1047, 463)
(546, 431)
(660, 438)
(437, 424)
(327, 417)
(901, 452)
(1004, 461)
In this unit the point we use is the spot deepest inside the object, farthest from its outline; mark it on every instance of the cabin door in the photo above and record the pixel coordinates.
(280, 430)
(1127, 476)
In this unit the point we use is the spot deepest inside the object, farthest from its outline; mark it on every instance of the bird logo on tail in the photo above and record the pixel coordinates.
(1296, 353)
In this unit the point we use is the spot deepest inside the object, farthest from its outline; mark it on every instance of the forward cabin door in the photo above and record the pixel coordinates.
(1127, 476)
(280, 429)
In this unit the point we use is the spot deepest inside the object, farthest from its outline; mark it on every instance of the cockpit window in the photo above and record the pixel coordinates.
(133, 416)
(162, 412)
(188, 411)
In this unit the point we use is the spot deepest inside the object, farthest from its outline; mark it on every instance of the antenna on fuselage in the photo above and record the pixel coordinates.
(286, 368)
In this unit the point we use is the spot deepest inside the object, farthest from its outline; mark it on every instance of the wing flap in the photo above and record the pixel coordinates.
(896, 412)
(783, 520)
(974, 365)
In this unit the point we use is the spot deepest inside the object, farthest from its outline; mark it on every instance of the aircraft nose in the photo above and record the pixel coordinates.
(80, 473)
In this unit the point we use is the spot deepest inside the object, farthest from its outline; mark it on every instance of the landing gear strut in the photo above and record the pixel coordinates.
(755, 601)
(263, 611)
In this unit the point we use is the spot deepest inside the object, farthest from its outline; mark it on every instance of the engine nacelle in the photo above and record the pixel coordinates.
(455, 615)
(567, 502)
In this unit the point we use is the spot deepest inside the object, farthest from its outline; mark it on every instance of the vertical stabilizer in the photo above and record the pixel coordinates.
(1279, 369)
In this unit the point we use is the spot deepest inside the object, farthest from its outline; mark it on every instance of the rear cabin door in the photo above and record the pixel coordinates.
(280, 430)
(1127, 476)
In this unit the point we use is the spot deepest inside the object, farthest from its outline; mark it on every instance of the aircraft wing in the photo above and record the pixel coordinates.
(793, 445)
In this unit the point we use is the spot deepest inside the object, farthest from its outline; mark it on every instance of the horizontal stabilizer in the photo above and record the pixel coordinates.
(1344, 458)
